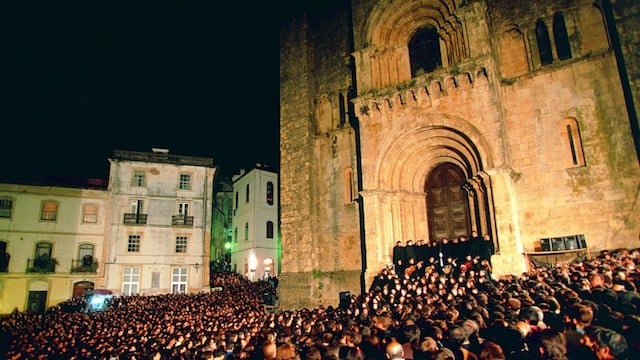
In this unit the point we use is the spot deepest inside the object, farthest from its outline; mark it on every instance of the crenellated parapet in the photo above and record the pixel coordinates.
(421, 92)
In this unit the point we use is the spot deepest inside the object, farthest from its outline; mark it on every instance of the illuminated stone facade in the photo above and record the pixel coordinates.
(525, 109)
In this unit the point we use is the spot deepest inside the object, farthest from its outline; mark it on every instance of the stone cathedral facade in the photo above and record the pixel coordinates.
(423, 119)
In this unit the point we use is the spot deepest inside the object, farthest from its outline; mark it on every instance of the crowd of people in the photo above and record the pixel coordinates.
(454, 309)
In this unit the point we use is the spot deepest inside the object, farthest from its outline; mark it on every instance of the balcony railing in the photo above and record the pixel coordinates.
(181, 220)
(84, 266)
(135, 218)
(42, 265)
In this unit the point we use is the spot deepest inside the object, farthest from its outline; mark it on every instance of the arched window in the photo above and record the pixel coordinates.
(236, 200)
(544, 44)
(269, 229)
(424, 51)
(247, 194)
(572, 142)
(269, 193)
(561, 37)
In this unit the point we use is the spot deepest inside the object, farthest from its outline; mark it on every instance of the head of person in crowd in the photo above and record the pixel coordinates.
(490, 350)
(579, 316)
(394, 350)
(269, 350)
(606, 343)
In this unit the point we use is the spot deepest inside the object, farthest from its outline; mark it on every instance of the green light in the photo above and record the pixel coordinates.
(227, 245)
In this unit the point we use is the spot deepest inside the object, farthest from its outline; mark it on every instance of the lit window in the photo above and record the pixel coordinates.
(49, 210)
(133, 245)
(6, 207)
(90, 213)
(130, 280)
(181, 244)
(179, 280)
(138, 178)
(185, 181)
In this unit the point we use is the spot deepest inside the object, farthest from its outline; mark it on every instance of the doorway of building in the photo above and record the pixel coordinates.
(447, 203)
(37, 302)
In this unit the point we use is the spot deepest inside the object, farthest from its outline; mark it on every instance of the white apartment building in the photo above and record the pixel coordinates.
(159, 234)
(255, 248)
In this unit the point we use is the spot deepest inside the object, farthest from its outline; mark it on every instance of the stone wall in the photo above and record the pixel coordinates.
(547, 149)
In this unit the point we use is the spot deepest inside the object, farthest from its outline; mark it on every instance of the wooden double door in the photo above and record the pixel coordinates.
(447, 203)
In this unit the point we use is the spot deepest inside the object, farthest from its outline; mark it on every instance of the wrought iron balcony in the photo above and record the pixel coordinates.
(42, 265)
(181, 220)
(85, 265)
(133, 218)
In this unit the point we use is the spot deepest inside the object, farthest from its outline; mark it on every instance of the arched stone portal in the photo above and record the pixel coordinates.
(396, 193)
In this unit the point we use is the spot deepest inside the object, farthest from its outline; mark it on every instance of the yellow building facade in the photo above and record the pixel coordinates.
(145, 231)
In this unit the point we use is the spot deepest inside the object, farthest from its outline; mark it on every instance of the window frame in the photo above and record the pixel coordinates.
(186, 183)
(543, 43)
(561, 37)
(86, 249)
(181, 244)
(270, 193)
(139, 178)
(270, 230)
(43, 248)
(133, 243)
(130, 279)
(179, 280)
(87, 215)
(49, 214)
(572, 142)
(6, 212)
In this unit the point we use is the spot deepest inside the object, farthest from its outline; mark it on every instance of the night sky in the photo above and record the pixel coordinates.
(79, 79)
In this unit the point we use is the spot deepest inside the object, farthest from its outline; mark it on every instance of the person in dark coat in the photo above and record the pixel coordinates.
(487, 248)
